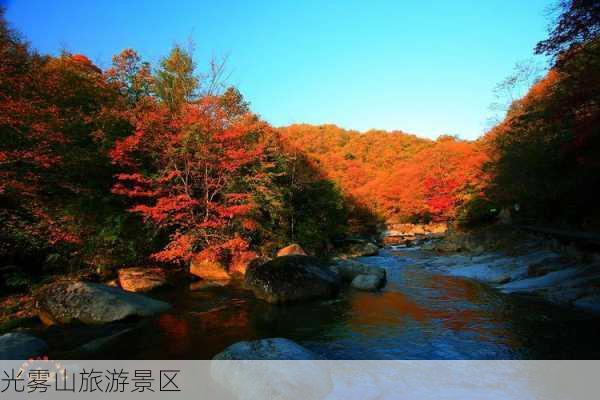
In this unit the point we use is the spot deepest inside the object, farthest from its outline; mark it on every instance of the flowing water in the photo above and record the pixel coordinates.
(418, 315)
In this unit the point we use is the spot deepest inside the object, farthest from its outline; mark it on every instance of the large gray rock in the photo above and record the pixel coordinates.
(359, 248)
(367, 282)
(266, 349)
(240, 369)
(20, 346)
(350, 269)
(91, 303)
(449, 245)
(291, 279)
(552, 279)
(499, 271)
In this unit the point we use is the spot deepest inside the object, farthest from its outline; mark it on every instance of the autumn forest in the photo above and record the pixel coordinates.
(162, 161)
(140, 164)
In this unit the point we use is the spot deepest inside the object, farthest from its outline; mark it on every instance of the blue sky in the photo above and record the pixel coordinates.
(424, 67)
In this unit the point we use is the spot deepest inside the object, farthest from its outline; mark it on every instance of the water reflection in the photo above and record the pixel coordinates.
(387, 308)
(419, 315)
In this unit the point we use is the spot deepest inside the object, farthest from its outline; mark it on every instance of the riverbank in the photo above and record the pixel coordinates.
(517, 261)
(435, 305)
(419, 314)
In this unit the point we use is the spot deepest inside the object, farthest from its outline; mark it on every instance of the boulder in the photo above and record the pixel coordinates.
(142, 279)
(449, 245)
(291, 250)
(91, 303)
(292, 278)
(241, 262)
(350, 269)
(367, 282)
(415, 229)
(266, 349)
(366, 249)
(308, 379)
(360, 249)
(20, 346)
(208, 269)
(499, 271)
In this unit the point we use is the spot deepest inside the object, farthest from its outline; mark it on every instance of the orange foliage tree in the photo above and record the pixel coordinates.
(396, 176)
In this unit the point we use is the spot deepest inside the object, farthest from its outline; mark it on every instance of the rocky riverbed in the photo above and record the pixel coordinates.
(403, 303)
(545, 274)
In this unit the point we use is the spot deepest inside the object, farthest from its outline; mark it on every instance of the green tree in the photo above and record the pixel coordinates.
(233, 103)
(131, 75)
(175, 82)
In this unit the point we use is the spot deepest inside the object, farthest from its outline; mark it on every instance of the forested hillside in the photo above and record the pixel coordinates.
(545, 155)
(399, 177)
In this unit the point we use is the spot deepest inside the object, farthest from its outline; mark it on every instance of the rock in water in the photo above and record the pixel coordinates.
(266, 349)
(291, 250)
(350, 269)
(20, 346)
(367, 282)
(449, 245)
(239, 370)
(369, 249)
(91, 303)
(208, 269)
(361, 276)
(142, 279)
(360, 249)
(292, 278)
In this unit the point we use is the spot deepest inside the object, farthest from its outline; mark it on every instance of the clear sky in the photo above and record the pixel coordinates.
(425, 67)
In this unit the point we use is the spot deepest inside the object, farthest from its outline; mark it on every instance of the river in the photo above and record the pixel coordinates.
(420, 314)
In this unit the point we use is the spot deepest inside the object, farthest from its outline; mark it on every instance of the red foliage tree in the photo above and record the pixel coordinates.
(191, 174)
(53, 112)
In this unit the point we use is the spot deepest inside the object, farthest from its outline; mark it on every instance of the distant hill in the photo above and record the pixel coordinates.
(399, 176)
